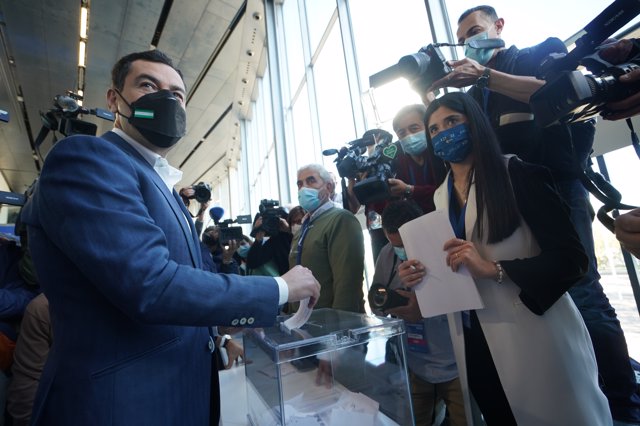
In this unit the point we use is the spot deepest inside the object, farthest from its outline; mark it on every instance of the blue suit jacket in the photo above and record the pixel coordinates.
(118, 258)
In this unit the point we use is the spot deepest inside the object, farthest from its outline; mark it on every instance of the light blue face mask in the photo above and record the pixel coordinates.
(400, 252)
(481, 56)
(243, 251)
(309, 198)
(415, 144)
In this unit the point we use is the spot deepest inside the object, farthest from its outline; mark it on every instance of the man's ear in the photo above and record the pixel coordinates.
(112, 100)
(499, 25)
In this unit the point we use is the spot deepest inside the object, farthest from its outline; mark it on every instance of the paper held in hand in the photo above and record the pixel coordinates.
(441, 291)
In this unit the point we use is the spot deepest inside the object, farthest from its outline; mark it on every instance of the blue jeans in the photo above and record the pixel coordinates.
(617, 378)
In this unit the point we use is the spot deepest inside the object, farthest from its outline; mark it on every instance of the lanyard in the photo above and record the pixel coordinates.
(393, 270)
(456, 217)
(303, 234)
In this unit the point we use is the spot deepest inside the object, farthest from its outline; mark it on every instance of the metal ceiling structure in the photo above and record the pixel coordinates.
(219, 45)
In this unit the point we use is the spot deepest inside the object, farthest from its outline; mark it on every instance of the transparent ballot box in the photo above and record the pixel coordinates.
(340, 368)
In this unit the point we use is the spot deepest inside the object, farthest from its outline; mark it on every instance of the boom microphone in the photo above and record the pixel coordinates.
(66, 103)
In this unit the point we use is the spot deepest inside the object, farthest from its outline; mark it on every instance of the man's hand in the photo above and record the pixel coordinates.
(618, 52)
(301, 285)
(628, 231)
(228, 250)
(234, 351)
(397, 187)
(411, 311)
(465, 73)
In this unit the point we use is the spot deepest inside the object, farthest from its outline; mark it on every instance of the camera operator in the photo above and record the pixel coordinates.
(415, 173)
(430, 358)
(269, 253)
(215, 256)
(618, 52)
(503, 84)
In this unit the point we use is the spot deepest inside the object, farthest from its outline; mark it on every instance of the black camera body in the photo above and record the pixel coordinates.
(383, 298)
(421, 69)
(201, 192)
(569, 95)
(378, 166)
(228, 232)
(271, 213)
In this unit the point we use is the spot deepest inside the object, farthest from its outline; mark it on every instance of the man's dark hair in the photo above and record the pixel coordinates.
(486, 10)
(495, 199)
(121, 68)
(419, 109)
(397, 213)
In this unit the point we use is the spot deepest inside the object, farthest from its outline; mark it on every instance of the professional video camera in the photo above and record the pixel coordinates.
(63, 118)
(271, 214)
(352, 163)
(569, 95)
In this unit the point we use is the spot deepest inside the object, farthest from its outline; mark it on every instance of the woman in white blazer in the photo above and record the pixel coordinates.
(525, 358)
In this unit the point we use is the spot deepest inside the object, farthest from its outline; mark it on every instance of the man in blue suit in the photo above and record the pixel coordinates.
(118, 258)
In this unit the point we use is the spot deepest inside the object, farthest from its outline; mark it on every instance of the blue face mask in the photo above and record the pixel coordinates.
(400, 252)
(243, 251)
(309, 198)
(481, 56)
(452, 145)
(415, 144)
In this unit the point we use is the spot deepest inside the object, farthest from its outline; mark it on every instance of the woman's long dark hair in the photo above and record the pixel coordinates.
(494, 194)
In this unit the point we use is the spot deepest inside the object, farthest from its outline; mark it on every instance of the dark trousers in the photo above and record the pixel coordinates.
(617, 378)
(483, 377)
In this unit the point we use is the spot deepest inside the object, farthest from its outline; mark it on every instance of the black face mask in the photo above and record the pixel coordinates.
(159, 117)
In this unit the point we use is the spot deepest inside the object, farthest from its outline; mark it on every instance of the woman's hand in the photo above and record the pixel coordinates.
(461, 252)
(411, 272)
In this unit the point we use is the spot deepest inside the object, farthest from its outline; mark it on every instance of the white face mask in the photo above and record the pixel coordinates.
(295, 228)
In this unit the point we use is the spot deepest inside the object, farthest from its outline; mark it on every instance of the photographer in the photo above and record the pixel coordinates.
(202, 194)
(503, 84)
(269, 253)
(430, 358)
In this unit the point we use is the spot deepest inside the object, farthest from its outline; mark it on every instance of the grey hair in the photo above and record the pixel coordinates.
(318, 168)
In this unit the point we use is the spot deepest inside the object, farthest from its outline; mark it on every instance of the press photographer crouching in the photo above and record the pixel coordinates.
(269, 254)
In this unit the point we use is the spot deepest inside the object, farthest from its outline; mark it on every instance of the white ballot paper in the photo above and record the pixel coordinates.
(441, 291)
(300, 317)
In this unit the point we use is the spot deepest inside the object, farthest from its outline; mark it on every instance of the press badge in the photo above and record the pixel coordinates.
(416, 337)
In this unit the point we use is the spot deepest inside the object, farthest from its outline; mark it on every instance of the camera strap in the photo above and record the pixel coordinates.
(393, 270)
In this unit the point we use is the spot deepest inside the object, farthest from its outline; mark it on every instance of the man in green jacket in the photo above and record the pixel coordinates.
(330, 243)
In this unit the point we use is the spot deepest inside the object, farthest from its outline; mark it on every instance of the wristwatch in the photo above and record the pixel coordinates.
(408, 190)
(483, 80)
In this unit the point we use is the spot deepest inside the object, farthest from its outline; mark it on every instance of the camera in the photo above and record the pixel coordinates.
(63, 118)
(570, 95)
(421, 69)
(201, 192)
(382, 298)
(271, 213)
(352, 163)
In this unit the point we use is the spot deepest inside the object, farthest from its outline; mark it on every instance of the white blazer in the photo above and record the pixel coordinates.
(546, 364)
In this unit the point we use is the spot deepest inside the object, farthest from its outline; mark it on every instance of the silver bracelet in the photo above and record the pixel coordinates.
(499, 272)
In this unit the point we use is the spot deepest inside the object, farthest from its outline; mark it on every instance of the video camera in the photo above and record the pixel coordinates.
(351, 163)
(383, 298)
(569, 95)
(63, 118)
(271, 214)
(228, 232)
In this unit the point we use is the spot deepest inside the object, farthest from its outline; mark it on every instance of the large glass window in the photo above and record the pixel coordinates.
(319, 13)
(293, 50)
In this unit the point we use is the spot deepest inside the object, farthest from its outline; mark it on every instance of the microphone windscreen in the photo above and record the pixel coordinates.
(216, 213)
